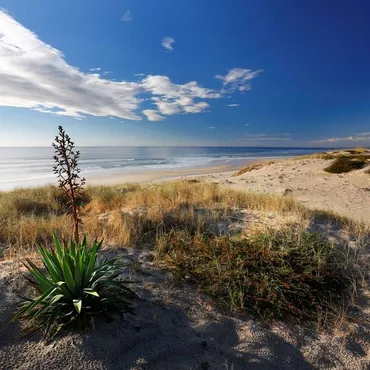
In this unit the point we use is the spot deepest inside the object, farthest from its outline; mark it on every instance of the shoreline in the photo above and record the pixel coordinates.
(304, 179)
(156, 176)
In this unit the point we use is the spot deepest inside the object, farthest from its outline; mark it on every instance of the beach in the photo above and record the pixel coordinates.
(175, 325)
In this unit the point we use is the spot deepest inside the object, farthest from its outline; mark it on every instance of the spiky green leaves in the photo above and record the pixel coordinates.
(74, 289)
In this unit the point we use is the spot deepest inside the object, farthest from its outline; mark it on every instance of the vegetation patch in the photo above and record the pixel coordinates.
(253, 167)
(324, 155)
(345, 164)
(349, 153)
(358, 150)
(274, 274)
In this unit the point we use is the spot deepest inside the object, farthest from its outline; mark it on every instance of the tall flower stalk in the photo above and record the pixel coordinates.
(68, 173)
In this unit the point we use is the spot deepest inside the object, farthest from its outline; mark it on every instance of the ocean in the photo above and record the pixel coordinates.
(25, 167)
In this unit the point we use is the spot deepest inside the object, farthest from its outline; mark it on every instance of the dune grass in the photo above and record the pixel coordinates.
(124, 215)
(273, 268)
(252, 167)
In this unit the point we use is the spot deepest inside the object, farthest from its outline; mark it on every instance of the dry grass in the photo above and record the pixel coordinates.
(124, 215)
(268, 265)
(253, 167)
(336, 154)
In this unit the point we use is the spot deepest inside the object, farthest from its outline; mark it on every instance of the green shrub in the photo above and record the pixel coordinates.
(345, 164)
(274, 274)
(74, 289)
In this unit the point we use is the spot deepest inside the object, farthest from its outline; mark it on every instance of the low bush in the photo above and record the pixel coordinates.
(345, 164)
(275, 274)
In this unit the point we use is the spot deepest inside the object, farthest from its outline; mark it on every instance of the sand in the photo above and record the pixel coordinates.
(142, 177)
(176, 327)
(347, 194)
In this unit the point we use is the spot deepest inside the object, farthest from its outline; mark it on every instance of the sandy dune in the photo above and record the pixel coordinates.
(305, 179)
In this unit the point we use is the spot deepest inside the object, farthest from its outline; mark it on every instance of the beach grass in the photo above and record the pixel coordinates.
(280, 258)
(252, 167)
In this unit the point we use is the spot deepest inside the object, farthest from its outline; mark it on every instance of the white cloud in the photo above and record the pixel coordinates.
(167, 42)
(238, 79)
(211, 127)
(342, 139)
(364, 134)
(247, 124)
(36, 76)
(152, 115)
(233, 105)
(127, 17)
(172, 98)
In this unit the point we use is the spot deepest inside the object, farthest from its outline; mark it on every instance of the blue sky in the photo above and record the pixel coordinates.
(140, 72)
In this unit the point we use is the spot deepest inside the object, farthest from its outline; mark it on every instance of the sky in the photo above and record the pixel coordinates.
(190, 73)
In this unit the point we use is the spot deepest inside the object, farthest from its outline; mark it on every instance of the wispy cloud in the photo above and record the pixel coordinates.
(153, 115)
(127, 16)
(232, 105)
(343, 139)
(167, 42)
(247, 124)
(264, 137)
(238, 79)
(211, 127)
(35, 75)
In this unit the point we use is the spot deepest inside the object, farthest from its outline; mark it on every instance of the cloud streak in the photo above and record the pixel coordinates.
(238, 79)
(264, 137)
(127, 17)
(36, 76)
(343, 139)
(167, 42)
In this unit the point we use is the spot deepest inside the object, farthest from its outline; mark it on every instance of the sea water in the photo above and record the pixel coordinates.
(24, 167)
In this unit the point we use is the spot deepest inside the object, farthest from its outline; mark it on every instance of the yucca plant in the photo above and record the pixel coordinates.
(75, 287)
(74, 290)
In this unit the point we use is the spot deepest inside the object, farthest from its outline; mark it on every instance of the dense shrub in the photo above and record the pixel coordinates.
(346, 164)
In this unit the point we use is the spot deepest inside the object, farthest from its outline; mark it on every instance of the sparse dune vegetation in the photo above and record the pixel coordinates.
(260, 256)
(224, 240)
